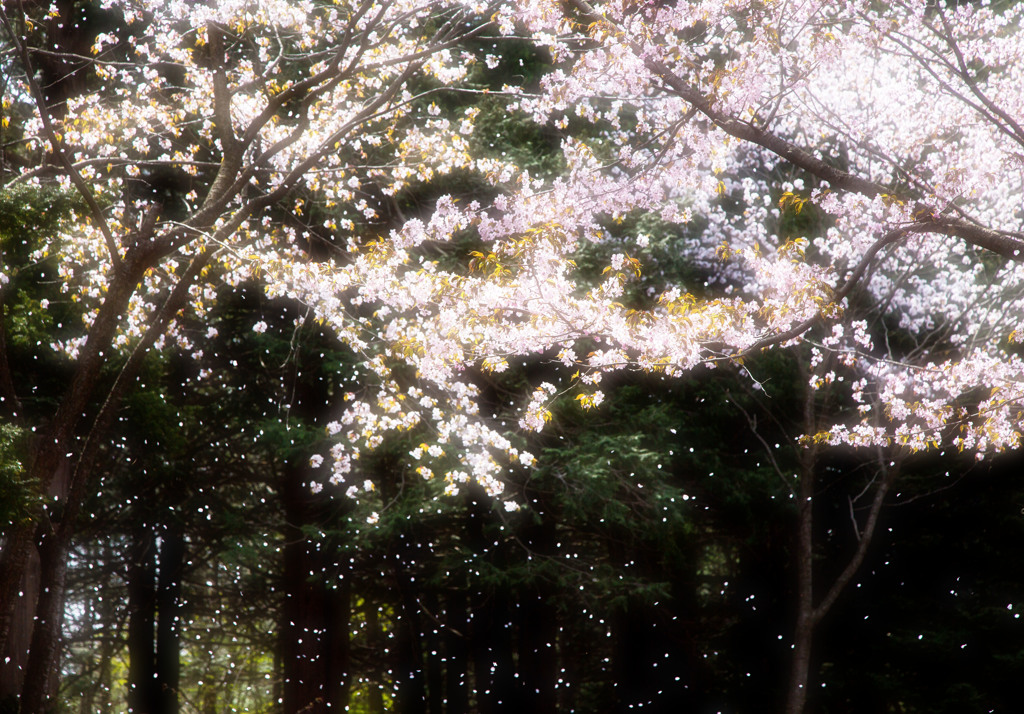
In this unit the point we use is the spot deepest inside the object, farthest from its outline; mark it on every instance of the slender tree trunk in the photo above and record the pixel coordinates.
(433, 649)
(53, 542)
(302, 612)
(50, 459)
(143, 695)
(631, 655)
(19, 586)
(376, 639)
(88, 623)
(803, 633)
(496, 688)
(111, 644)
(411, 697)
(538, 624)
(17, 589)
(277, 690)
(317, 608)
(457, 669)
(40, 673)
(538, 653)
(796, 695)
(168, 640)
(482, 657)
(337, 642)
(107, 682)
(482, 604)
(809, 614)
(506, 690)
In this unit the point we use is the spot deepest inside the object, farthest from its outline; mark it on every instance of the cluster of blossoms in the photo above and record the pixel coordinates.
(906, 119)
(897, 125)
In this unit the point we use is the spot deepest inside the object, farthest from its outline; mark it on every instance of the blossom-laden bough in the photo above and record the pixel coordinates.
(196, 136)
(287, 123)
(897, 126)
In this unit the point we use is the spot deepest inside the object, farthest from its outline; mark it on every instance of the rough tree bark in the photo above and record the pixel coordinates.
(168, 638)
(143, 693)
(455, 649)
(316, 612)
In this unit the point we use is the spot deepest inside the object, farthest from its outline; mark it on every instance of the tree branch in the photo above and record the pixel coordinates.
(866, 535)
(1007, 244)
(57, 144)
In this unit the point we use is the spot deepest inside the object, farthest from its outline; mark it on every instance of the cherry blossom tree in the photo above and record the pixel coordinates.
(692, 103)
(189, 130)
(897, 125)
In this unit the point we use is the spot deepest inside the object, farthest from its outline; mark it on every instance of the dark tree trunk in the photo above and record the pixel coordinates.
(316, 613)
(538, 624)
(479, 647)
(538, 653)
(433, 651)
(168, 639)
(809, 612)
(376, 640)
(19, 583)
(143, 693)
(40, 673)
(803, 634)
(506, 694)
(52, 543)
(457, 669)
(411, 695)
(796, 696)
(631, 658)
(51, 466)
(316, 626)
(336, 641)
(489, 635)
(303, 611)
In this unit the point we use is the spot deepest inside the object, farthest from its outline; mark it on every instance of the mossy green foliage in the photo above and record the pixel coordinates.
(16, 493)
(36, 315)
